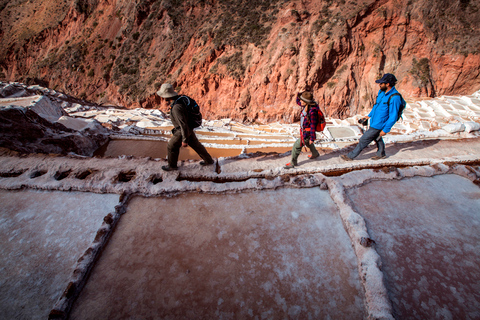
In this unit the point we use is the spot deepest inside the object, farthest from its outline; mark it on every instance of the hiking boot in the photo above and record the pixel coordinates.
(289, 165)
(205, 163)
(311, 156)
(378, 157)
(345, 157)
(168, 168)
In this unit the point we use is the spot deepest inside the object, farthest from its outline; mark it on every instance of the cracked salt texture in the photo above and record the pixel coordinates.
(427, 232)
(42, 234)
(269, 254)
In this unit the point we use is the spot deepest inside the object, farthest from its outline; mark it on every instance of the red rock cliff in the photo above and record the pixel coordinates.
(242, 59)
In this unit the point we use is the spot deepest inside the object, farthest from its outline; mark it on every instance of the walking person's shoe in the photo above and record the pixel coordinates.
(168, 168)
(345, 157)
(289, 165)
(312, 156)
(206, 163)
(378, 157)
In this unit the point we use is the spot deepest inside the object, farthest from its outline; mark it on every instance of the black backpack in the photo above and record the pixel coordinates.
(194, 115)
(403, 104)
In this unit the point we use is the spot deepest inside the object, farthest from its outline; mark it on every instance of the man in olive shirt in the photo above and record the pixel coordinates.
(183, 134)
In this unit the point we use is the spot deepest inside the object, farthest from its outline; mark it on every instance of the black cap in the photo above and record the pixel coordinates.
(387, 78)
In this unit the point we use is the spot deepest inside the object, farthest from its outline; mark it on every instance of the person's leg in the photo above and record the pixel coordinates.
(297, 148)
(312, 149)
(380, 147)
(199, 148)
(173, 149)
(370, 135)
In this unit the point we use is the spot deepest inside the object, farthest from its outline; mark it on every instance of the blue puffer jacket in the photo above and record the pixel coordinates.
(383, 116)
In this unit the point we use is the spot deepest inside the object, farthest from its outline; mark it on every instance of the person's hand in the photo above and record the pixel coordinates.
(184, 144)
(382, 133)
(312, 141)
(363, 121)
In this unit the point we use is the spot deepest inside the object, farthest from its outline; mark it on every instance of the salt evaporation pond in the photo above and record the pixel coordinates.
(270, 254)
(427, 232)
(158, 149)
(42, 235)
(155, 149)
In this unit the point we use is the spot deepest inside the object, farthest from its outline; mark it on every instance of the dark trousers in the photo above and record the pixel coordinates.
(175, 143)
(370, 135)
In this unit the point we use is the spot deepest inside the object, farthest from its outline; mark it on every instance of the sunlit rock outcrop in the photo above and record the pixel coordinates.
(37, 123)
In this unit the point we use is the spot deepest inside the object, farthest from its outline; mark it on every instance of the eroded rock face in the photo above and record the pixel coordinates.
(242, 59)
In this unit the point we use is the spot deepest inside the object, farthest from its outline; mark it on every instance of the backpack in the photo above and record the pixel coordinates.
(193, 110)
(403, 105)
(321, 121)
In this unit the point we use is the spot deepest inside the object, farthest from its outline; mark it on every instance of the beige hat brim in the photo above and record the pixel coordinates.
(307, 101)
(167, 95)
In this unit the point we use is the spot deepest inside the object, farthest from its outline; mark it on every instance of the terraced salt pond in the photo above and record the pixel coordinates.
(272, 257)
(158, 148)
(218, 144)
(155, 149)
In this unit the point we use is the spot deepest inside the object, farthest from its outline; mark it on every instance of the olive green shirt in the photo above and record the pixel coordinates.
(178, 115)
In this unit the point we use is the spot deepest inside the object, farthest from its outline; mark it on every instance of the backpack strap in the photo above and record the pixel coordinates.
(181, 97)
(401, 102)
(389, 98)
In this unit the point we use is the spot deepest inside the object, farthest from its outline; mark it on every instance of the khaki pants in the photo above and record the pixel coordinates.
(175, 143)
(297, 148)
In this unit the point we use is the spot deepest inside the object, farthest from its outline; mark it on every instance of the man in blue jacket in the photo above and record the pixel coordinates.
(382, 117)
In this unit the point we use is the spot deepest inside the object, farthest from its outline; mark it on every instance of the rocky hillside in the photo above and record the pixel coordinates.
(238, 58)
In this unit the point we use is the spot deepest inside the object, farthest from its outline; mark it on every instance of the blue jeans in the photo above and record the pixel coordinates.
(370, 135)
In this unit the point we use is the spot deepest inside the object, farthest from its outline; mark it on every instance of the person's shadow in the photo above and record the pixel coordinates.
(265, 156)
(394, 148)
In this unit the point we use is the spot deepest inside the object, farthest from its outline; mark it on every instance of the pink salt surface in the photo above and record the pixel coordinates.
(265, 255)
(428, 236)
(42, 235)
(156, 149)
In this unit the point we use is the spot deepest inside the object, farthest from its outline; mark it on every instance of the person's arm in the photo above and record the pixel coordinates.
(379, 99)
(298, 99)
(178, 111)
(392, 114)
